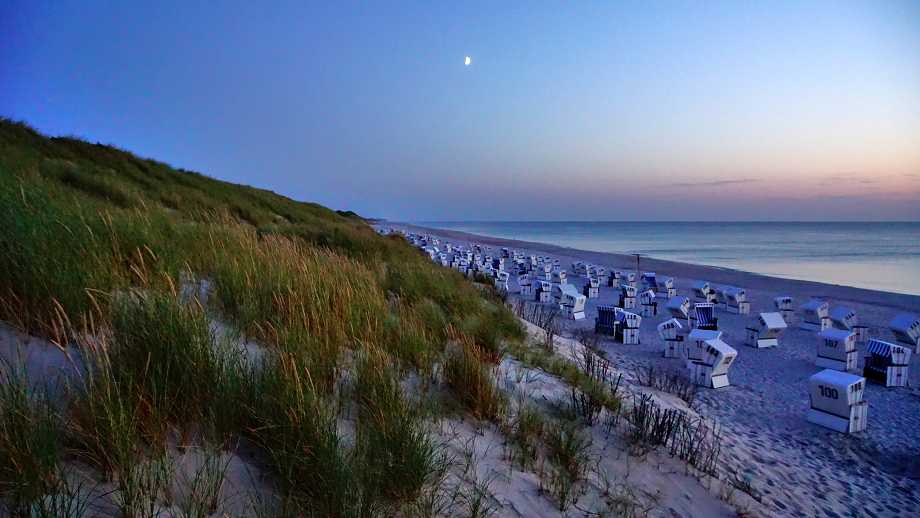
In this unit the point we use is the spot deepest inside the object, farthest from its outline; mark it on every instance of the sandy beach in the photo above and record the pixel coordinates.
(794, 467)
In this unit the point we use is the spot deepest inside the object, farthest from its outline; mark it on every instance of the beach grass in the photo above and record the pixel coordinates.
(132, 265)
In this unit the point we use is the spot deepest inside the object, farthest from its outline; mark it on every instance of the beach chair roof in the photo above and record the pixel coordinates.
(835, 334)
(677, 301)
(841, 312)
(703, 335)
(724, 349)
(879, 347)
(814, 304)
(773, 320)
(836, 378)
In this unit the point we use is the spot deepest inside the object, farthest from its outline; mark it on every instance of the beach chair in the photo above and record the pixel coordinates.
(784, 305)
(579, 268)
(548, 271)
(712, 370)
(628, 278)
(703, 291)
(602, 276)
(887, 363)
(525, 285)
(670, 332)
(766, 330)
(843, 317)
(649, 281)
(605, 323)
(679, 307)
(735, 300)
(648, 306)
(501, 281)
(696, 343)
(627, 296)
(836, 350)
(559, 277)
(591, 288)
(543, 292)
(837, 401)
(705, 316)
(628, 327)
(614, 279)
(906, 329)
(666, 287)
(814, 315)
(573, 303)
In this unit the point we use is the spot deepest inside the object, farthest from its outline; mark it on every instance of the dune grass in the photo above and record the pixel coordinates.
(101, 248)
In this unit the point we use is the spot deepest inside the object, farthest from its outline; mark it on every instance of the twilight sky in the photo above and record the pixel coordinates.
(570, 110)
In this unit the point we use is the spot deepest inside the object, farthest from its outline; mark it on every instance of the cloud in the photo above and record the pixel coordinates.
(848, 178)
(715, 183)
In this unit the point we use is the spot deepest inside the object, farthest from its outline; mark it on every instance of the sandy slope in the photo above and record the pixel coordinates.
(795, 467)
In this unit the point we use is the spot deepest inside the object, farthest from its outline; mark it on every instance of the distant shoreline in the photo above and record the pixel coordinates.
(800, 289)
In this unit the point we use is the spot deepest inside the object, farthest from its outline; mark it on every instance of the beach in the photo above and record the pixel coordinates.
(793, 466)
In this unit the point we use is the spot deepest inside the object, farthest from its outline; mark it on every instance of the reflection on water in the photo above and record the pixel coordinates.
(881, 256)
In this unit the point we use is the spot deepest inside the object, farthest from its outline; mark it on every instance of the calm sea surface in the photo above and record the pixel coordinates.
(881, 256)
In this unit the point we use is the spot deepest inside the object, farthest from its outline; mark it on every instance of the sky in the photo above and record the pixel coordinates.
(804, 110)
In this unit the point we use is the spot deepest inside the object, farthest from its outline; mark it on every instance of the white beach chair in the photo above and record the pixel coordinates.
(501, 281)
(814, 315)
(648, 306)
(649, 281)
(679, 307)
(614, 279)
(766, 330)
(525, 285)
(670, 332)
(843, 317)
(666, 287)
(627, 296)
(559, 277)
(703, 291)
(837, 401)
(573, 304)
(735, 300)
(543, 292)
(712, 370)
(887, 363)
(836, 350)
(906, 329)
(628, 327)
(628, 278)
(591, 288)
(696, 343)
(784, 304)
(548, 271)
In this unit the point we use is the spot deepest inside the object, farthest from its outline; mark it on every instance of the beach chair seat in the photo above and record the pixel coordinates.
(705, 316)
(765, 331)
(836, 400)
(887, 363)
(605, 323)
(815, 315)
(836, 350)
(906, 329)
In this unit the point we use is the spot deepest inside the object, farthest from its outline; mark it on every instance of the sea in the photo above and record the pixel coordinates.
(878, 256)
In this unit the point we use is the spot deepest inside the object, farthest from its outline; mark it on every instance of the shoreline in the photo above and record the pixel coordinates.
(798, 288)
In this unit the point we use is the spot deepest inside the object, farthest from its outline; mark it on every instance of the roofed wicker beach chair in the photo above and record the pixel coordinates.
(666, 287)
(766, 330)
(679, 307)
(614, 279)
(906, 329)
(501, 281)
(543, 292)
(649, 281)
(670, 332)
(591, 288)
(836, 350)
(627, 296)
(648, 305)
(735, 300)
(843, 317)
(784, 304)
(525, 285)
(696, 342)
(837, 401)
(605, 323)
(712, 370)
(705, 316)
(887, 363)
(703, 291)
(628, 327)
(814, 315)
(572, 303)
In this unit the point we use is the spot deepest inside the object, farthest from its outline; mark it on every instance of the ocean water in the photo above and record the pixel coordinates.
(880, 256)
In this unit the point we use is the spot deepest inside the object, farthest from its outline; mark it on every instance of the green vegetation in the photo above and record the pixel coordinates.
(135, 264)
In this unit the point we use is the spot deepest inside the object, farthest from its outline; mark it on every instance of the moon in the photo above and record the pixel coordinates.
(467, 61)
